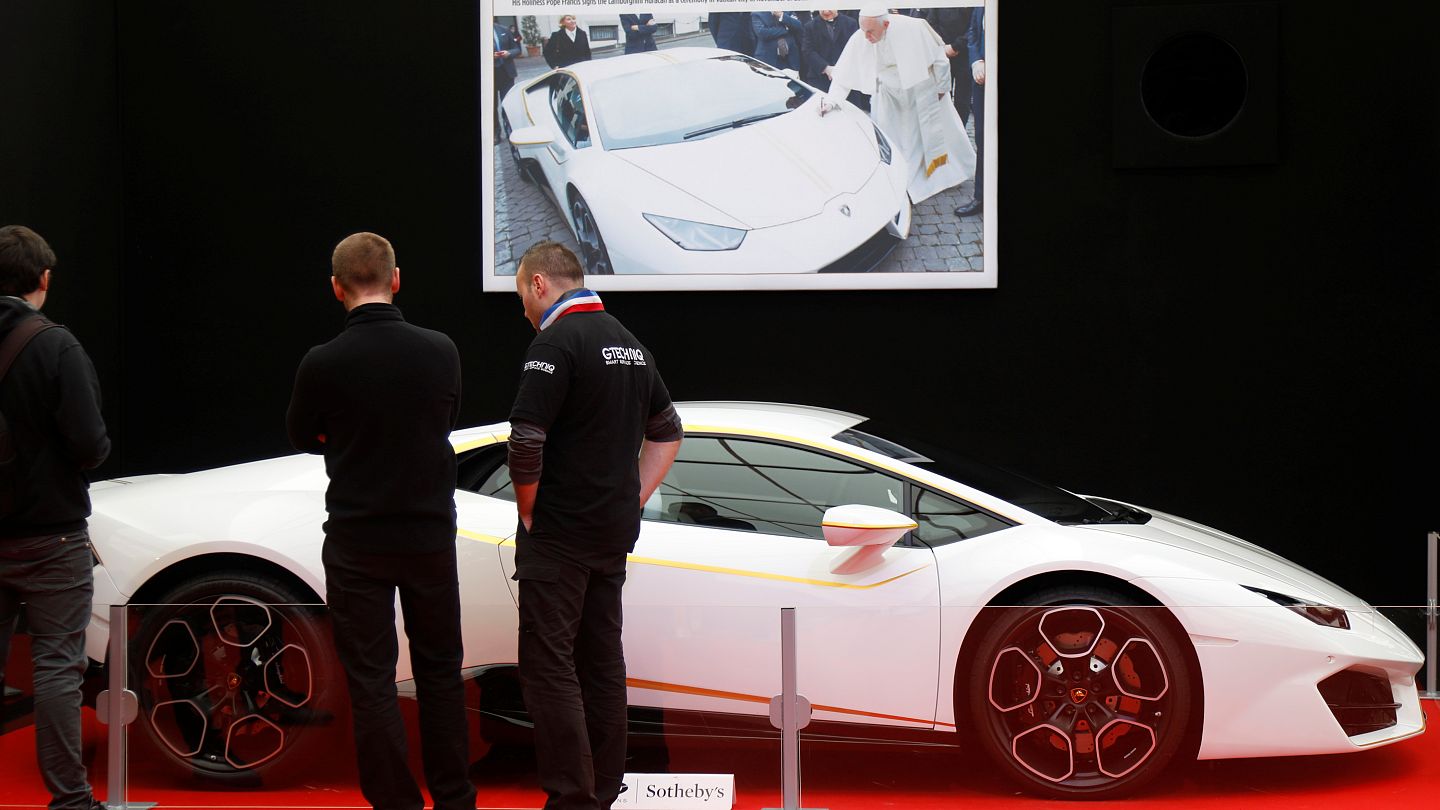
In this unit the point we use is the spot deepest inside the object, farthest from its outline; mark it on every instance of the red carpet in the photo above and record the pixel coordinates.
(838, 777)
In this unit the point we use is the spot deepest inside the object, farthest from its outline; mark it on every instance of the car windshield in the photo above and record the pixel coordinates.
(1023, 491)
(690, 100)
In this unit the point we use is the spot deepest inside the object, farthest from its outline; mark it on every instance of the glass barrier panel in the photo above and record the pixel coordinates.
(701, 677)
(240, 701)
(21, 781)
(243, 702)
(1087, 697)
(1414, 622)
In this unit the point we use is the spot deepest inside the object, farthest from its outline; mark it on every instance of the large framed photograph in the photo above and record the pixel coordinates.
(742, 146)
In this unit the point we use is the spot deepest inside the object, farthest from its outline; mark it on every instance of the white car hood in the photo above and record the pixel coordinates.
(772, 172)
(1180, 533)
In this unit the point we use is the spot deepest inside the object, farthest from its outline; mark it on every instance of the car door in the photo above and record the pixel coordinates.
(731, 537)
(558, 107)
(484, 541)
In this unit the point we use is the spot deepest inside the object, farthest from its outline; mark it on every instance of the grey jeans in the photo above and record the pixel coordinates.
(52, 576)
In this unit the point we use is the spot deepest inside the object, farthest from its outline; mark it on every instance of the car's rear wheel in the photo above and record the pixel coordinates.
(232, 671)
(1080, 693)
(593, 255)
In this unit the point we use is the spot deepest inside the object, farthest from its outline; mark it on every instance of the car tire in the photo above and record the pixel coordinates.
(233, 673)
(594, 258)
(1080, 693)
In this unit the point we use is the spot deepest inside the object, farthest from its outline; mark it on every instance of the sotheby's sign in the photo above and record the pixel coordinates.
(677, 791)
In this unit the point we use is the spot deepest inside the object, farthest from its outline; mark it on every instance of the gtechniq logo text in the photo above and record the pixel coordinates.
(623, 355)
(536, 365)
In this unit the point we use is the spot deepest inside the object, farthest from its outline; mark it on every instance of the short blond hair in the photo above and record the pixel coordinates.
(363, 262)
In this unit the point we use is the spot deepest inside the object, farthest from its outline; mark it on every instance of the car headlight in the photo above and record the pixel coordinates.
(1324, 615)
(884, 146)
(697, 235)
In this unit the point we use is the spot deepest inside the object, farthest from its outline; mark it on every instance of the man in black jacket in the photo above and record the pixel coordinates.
(379, 401)
(731, 31)
(951, 24)
(639, 32)
(50, 399)
(825, 36)
(591, 403)
(507, 50)
(975, 52)
(567, 45)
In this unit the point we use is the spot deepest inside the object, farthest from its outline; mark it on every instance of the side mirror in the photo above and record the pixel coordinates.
(866, 530)
(531, 136)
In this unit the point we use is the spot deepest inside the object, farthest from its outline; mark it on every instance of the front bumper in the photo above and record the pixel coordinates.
(837, 239)
(1262, 667)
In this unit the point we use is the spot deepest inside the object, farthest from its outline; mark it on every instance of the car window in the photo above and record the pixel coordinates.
(761, 486)
(484, 471)
(569, 107)
(944, 519)
(686, 101)
(1043, 499)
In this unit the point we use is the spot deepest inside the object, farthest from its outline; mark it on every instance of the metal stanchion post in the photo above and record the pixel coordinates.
(789, 712)
(117, 707)
(1432, 613)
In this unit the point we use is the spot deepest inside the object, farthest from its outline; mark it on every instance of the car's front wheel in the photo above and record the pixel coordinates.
(232, 671)
(593, 255)
(1080, 693)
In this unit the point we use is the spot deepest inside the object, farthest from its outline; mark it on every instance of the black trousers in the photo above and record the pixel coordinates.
(962, 79)
(360, 591)
(977, 108)
(572, 674)
(52, 575)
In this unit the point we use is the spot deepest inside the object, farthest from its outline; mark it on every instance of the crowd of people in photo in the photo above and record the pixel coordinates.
(810, 44)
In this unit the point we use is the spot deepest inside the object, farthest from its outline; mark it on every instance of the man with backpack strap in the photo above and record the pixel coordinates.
(51, 432)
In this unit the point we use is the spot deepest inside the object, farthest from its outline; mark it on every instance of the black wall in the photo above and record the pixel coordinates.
(60, 168)
(1253, 347)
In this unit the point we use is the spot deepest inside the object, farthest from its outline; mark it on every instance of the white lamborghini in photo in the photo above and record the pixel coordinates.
(1083, 643)
(701, 160)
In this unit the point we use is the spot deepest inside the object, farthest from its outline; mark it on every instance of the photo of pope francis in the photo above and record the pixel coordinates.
(900, 62)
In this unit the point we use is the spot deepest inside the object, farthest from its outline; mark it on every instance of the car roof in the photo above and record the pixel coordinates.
(798, 421)
(802, 421)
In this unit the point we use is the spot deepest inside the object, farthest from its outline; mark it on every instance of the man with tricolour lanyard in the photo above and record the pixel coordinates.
(593, 433)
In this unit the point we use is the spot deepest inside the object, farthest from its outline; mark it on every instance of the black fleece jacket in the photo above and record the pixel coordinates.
(51, 400)
(384, 395)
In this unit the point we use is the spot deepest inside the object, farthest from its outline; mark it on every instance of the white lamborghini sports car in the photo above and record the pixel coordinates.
(700, 160)
(1083, 643)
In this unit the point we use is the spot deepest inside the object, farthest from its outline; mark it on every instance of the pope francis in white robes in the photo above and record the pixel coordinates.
(900, 62)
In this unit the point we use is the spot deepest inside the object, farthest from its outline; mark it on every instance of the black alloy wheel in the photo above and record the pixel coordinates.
(232, 672)
(593, 255)
(1081, 693)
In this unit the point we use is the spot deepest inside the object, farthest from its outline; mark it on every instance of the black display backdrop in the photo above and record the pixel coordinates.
(1251, 347)
(60, 170)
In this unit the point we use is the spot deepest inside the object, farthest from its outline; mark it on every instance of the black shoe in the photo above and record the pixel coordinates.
(970, 209)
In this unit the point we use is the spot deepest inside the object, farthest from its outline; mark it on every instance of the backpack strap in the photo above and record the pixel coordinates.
(19, 338)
